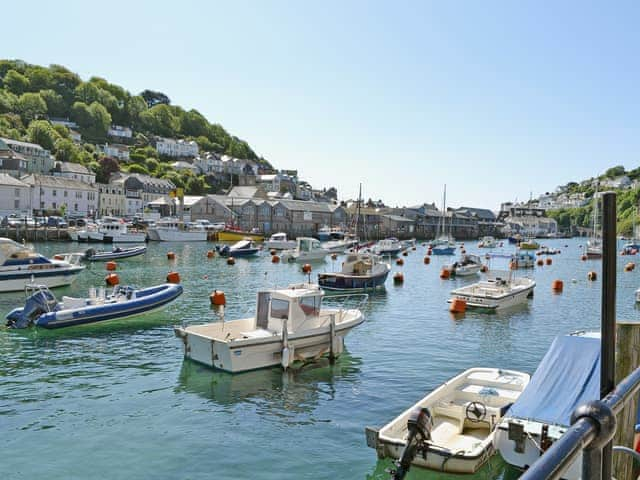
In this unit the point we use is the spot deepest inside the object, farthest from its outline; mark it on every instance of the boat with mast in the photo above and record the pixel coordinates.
(594, 244)
(444, 244)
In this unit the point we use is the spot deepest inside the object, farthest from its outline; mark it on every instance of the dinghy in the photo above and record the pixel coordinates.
(467, 265)
(116, 254)
(290, 324)
(568, 376)
(42, 309)
(243, 248)
(500, 290)
(451, 429)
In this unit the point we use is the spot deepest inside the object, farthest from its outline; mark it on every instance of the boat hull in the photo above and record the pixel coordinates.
(181, 236)
(342, 282)
(126, 253)
(467, 270)
(280, 244)
(232, 236)
(125, 238)
(16, 280)
(159, 297)
(494, 304)
(443, 250)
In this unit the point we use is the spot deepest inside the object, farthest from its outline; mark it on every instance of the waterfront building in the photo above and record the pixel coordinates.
(526, 220)
(38, 159)
(11, 163)
(15, 195)
(111, 199)
(176, 148)
(75, 136)
(59, 194)
(74, 171)
(140, 190)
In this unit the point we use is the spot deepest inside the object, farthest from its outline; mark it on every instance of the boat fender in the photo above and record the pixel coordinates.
(285, 357)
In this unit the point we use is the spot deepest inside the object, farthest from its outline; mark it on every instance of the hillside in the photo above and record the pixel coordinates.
(32, 94)
(627, 200)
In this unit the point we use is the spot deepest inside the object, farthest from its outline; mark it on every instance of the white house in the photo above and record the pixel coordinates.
(14, 195)
(176, 148)
(49, 193)
(118, 131)
(180, 165)
(115, 150)
(74, 171)
(209, 164)
(619, 182)
(75, 136)
(38, 159)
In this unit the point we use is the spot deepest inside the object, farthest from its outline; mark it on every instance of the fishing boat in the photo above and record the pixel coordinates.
(290, 324)
(499, 291)
(326, 234)
(468, 264)
(117, 253)
(529, 244)
(340, 246)
(515, 239)
(114, 230)
(389, 246)
(279, 241)
(487, 242)
(307, 250)
(444, 244)
(523, 260)
(568, 376)
(360, 271)
(83, 235)
(174, 230)
(451, 429)
(42, 309)
(20, 265)
(243, 248)
(233, 234)
(630, 248)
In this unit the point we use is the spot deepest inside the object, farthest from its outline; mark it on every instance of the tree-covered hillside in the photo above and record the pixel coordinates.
(31, 94)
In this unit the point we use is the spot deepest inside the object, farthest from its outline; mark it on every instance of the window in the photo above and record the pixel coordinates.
(279, 309)
(53, 205)
(17, 192)
(310, 306)
(54, 193)
(41, 205)
(78, 194)
(75, 207)
(66, 193)
(16, 203)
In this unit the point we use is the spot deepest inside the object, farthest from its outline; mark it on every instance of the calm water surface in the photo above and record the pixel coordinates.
(117, 401)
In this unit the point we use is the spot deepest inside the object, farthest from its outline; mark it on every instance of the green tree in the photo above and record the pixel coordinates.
(134, 108)
(30, 106)
(15, 82)
(67, 151)
(64, 82)
(614, 172)
(42, 133)
(107, 167)
(196, 185)
(56, 106)
(159, 120)
(8, 101)
(40, 78)
(87, 93)
(193, 124)
(93, 120)
(136, 168)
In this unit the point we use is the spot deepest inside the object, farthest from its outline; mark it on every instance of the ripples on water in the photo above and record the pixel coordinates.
(117, 401)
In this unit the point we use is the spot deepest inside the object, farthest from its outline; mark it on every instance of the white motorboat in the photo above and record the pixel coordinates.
(339, 246)
(279, 241)
(500, 290)
(114, 230)
(83, 235)
(451, 429)
(360, 271)
(307, 250)
(290, 324)
(488, 242)
(388, 246)
(468, 264)
(523, 260)
(172, 230)
(568, 376)
(20, 266)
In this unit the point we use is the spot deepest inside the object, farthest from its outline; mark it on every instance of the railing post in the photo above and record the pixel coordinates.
(608, 312)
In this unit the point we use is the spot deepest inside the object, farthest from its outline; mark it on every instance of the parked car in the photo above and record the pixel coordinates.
(77, 222)
(58, 222)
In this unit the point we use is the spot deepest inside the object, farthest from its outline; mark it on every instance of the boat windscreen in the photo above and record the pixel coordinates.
(568, 376)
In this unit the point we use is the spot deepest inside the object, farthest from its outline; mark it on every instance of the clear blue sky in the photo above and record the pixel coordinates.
(496, 99)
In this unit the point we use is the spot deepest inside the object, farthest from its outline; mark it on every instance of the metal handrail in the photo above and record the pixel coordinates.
(593, 426)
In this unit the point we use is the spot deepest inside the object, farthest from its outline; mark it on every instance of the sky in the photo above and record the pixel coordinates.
(498, 100)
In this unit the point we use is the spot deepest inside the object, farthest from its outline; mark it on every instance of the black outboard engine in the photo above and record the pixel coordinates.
(224, 251)
(42, 301)
(419, 427)
(88, 253)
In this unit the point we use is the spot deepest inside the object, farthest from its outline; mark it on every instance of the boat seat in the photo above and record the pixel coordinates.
(73, 302)
(258, 333)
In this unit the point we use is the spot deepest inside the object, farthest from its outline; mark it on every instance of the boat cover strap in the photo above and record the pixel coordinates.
(568, 376)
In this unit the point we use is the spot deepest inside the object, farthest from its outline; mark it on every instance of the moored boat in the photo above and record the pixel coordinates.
(307, 250)
(172, 230)
(568, 376)
(499, 291)
(523, 260)
(529, 244)
(468, 264)
(20, 266)
(243, 248)
(117, 253)
(451, 429)
(290, 324)
(234, 234)
(544, 250)
(279, 241)
(360, 271)
(389, 246)
(487, 242)
(42, 309)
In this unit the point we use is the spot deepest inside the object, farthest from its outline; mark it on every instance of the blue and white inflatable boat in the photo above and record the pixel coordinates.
(42, 309)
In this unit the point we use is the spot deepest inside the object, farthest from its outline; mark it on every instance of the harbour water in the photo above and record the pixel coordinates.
(117, 401)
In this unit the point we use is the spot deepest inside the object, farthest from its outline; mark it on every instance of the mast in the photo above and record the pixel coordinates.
(358, 212)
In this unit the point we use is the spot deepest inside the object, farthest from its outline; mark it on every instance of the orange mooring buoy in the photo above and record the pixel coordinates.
(445, 273)
(400, 262)
(398, 277)
(540, 262)
(427, 260)
(217, 298)
(171, 256)
(173, 277)
(583, 258)
(549, 261)
(592, 276)
(458, 305)
(111, 266)
(112, 279)
(557, 285)
(306, 268)
(275, 259)
(211, 254)
(231, 261)
(629, 267)
(484, 269)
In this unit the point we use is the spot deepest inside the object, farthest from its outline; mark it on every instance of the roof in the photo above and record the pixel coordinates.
(483, 213)
(6, 179)
(56, 182)
(121, 177)
(182, 164)
(70, 167)
(246, 192)
(398, 218)
(10, 141)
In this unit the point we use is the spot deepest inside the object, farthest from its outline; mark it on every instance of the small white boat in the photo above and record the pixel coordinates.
(500, 290)
(20, 266)
(389, 246)
(487, 242)
(117, 253)
(568, 376)
(42, 309)
(114, 230)
(523, 260)
(172, 230)
(290, 324)
(360, 271)
(468, 264)
(451, 429)
(279, 241)
(339, 246)
(307, 250)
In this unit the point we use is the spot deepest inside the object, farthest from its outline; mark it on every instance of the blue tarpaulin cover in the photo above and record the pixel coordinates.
(568, 375)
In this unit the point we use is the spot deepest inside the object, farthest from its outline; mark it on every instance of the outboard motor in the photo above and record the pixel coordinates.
(40, 302)
(224, 251)
(88, 253)
(419, 427)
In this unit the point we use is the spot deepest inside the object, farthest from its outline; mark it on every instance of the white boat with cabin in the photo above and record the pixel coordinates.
(451, 429)
(173, 230)
(290, 324)
(388, 246)
(468, 264)
(488, 242)
(501, 289)
(307, 250)
(279, 241)
(114, 230)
